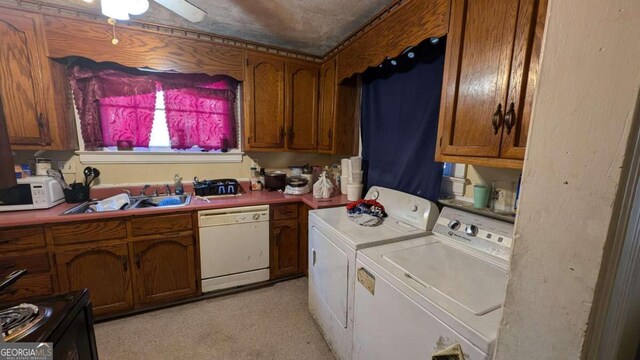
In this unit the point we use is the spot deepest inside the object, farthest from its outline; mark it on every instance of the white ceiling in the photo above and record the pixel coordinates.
(308, 26)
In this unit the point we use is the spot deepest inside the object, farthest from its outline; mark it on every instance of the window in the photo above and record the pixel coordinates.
(147, 112)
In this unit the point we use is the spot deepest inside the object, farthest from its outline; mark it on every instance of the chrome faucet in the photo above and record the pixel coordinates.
(144, 190)
(167, 190)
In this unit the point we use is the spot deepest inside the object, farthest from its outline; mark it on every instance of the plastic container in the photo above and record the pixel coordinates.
(480, 196)
(78, 193)
(356, 177)
(344, 181)
(356, 163)
(354, 191)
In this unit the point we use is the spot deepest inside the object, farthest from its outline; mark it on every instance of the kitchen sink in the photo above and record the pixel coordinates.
(137, 202)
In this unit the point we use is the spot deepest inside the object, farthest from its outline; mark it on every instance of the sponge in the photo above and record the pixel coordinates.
(169, 202)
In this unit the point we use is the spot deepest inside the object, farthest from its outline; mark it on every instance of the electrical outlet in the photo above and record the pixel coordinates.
(67, 166)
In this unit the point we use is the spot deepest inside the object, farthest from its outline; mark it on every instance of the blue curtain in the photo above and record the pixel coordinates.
(400, 105)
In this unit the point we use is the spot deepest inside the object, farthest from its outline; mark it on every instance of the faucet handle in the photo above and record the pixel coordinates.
(167, 190)
(144, 189)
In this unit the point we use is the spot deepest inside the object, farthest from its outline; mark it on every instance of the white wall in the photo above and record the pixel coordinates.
(588, 89)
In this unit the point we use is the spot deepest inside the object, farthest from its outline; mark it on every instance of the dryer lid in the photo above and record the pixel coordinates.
(467, 280)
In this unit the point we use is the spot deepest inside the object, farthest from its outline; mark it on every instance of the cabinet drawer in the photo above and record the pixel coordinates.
(21, 239)
(27, 287)
(161, 224)
(34, 263)
(287, 211)
(89, 231)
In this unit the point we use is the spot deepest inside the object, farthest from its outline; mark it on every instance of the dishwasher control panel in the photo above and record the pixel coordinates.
(229, 216)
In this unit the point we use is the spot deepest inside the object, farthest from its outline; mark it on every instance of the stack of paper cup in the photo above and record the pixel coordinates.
(354, 187)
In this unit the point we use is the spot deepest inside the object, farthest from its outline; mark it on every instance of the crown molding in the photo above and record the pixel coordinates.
(70, 12)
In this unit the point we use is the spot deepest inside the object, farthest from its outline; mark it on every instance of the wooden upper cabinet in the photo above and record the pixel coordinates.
(104, 270)
(302, 106)
(164, 269)
(21, 84)
(524, 77)
(327, 105)
(264, 101)
(490, 74)
(478, 57)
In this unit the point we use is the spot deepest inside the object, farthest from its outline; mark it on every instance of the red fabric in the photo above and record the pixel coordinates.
(115, 103)
(128, 118)
(202, 115)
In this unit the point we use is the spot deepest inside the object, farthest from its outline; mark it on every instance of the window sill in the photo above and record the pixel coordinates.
(158, 157)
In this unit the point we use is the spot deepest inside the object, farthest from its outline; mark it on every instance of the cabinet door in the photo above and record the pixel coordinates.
(327, 105)
(524, 77)
(104, 270)
(164, 269)
(476, 76)
(265, 102)
(21, 94)
(284, 248)
(302, 106)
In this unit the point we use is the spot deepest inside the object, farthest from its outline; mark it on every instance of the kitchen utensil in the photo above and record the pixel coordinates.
(58, 177)
(11, 278)
(354, 191)
(88, 172)
(480, 196)
(95, 175)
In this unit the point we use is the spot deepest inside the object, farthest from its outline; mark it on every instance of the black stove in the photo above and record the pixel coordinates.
(64, 320)
(19, 320)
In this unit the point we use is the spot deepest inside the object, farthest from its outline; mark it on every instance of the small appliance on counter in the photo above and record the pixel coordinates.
(275, 180)
(34, 192)
(217, 187)
(297, 185)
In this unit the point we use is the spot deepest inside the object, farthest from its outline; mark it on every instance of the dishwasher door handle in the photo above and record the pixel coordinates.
(313, 257)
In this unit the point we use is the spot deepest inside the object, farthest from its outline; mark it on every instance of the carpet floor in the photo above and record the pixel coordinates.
(268, 323)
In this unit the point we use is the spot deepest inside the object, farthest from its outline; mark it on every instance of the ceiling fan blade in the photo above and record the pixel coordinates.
(184, 9)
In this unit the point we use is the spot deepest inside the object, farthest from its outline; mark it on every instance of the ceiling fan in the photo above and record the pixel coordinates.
(121, 9)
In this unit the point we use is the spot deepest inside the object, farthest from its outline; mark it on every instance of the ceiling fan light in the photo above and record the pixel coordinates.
(116, 9)
(138, 7)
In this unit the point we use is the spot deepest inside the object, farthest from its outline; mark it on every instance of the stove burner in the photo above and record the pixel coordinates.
(21, 319)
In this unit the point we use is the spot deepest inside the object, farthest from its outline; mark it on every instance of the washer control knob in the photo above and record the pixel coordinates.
(415, 208)
(454, 224)
(471, 230)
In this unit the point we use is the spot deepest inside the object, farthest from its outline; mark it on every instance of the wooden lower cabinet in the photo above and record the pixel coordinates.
(284, 248)
(164, 269)
(105, 270)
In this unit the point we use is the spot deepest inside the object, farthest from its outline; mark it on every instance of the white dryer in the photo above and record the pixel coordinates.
(333, 242)
(420, 296)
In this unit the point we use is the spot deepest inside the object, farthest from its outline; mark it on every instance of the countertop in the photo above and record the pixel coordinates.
(247, 198)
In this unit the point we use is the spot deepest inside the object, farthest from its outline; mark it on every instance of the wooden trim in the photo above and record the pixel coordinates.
(87, 15)
(482, 161)
(411, 23)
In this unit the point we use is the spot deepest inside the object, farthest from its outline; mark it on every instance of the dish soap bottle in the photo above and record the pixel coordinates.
(177, 183)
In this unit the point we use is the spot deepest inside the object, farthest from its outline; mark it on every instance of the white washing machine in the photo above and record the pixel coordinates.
(417, 297)
(333, 242)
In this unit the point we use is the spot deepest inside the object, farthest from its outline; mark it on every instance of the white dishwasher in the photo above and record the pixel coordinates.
(234, 246)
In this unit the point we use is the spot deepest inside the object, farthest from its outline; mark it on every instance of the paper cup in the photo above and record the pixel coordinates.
(356, 177)
(356, 163)
(344, 181)
(354, 191)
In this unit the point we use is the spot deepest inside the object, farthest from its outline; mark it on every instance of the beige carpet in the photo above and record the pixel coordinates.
(268, 323)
